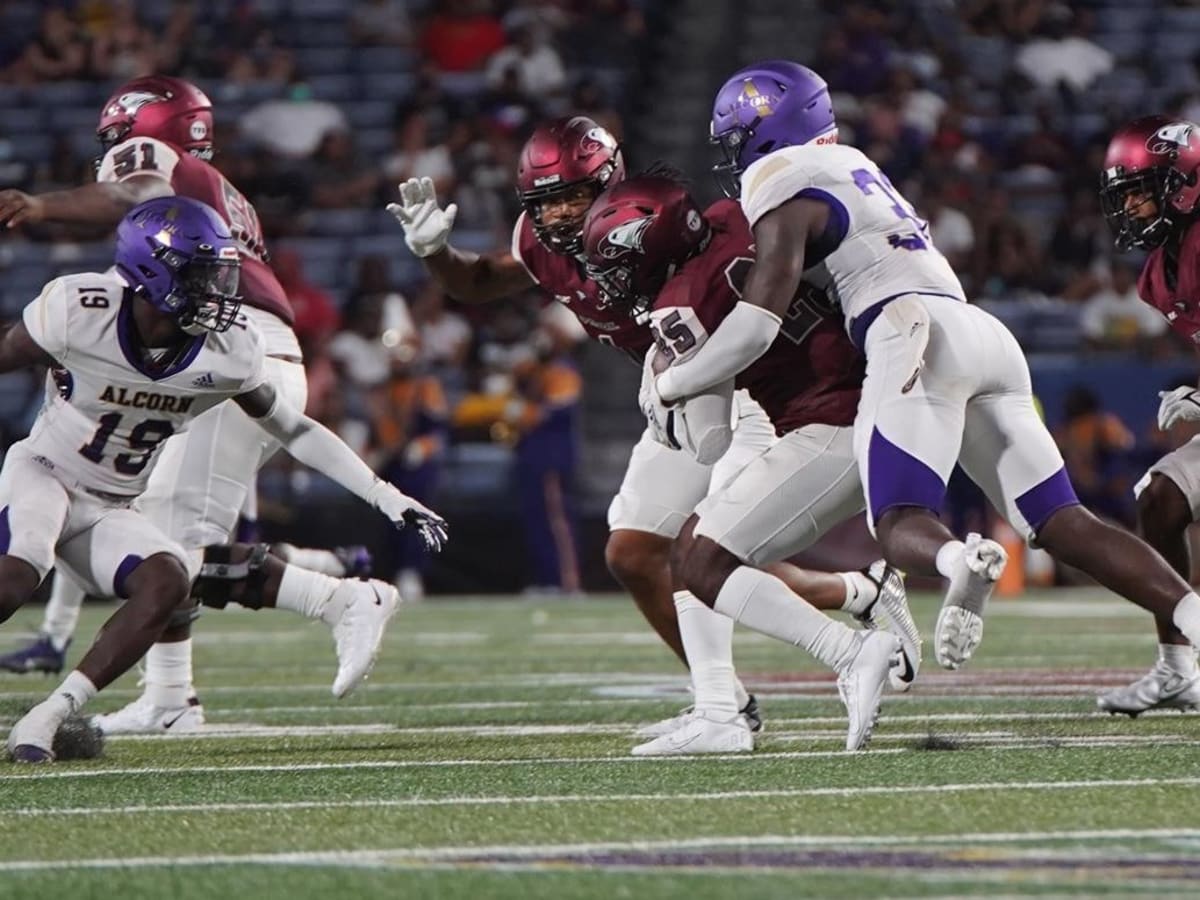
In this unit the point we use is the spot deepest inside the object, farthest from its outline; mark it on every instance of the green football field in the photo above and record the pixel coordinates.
(487, 757)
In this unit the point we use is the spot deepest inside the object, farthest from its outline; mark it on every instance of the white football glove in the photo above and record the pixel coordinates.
(659, 416)
(404, 510)
(426, 225)
(1179, 405)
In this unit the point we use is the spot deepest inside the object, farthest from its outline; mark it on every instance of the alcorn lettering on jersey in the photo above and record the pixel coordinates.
(811, 374)
(875, 247)
(562, 278)
(105, 424)
(194, 178)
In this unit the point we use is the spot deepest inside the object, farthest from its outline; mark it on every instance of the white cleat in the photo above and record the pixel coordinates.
(890, 612)
(666, 726)
(959, 628)
(31, 740)
(358, 613)
(143, 717)
(1160, 688)
(701, 734)
(861, 683)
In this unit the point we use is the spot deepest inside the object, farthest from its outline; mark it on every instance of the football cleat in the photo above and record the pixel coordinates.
(959, 628)
(1160, 688)
(355, 559)
(143, 717)
(358, 612)
(749, 712)
(31, 739)
(701, 734)
(890, 611)
(39, 656)
(860, 684)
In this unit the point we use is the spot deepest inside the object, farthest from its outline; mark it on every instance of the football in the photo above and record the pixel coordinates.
(703, 424)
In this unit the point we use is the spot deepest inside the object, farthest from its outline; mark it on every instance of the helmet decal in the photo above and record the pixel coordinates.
(1170, 138)
(626, 236)
(131, 102)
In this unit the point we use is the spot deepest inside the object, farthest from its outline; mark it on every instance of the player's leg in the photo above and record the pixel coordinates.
(34, 511)
(783, 501)
(1167, 500)
(118, 553)
(48, 651)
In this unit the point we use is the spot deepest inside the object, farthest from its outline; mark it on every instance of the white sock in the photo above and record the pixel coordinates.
(62, 610)
(948, 556)
(761, 601)
(76, 690)
(1179, 658)
(323, 561)
(861, 592)
(740, 694)
(304, 591)
(1186, 617)
(169, 674)
(708, 642)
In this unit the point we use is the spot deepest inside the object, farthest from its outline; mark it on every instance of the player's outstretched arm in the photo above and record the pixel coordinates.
(18, 350)
(751, 327)
(316, 446)
(99, 203)
(466, 276)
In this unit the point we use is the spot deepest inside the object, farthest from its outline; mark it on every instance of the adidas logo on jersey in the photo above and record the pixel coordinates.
(206, 380)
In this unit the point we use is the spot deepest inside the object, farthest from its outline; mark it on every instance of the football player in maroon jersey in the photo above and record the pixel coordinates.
(563, 166)
(156, 136)
(1150, 192)
(652, 251)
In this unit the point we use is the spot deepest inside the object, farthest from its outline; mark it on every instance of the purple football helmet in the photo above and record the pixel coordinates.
(766, 106)
(178, 254)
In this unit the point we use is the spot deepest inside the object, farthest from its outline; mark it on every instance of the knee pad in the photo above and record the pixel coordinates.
(222, 580)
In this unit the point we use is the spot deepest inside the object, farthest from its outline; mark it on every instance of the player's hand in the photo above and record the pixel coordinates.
(404, 510)
(1179, 405)
(17, 207)
(426, 225)
(659, 416)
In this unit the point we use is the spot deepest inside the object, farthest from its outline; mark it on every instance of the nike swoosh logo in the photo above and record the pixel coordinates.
(906, 669)
(167, 725)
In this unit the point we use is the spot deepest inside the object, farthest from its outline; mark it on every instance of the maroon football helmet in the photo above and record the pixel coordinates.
(158, 106)
(637, 234)
(1160, 158)
(557, 158)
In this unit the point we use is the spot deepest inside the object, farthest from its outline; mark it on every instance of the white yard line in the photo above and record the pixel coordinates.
(862, 791)
(374, 858)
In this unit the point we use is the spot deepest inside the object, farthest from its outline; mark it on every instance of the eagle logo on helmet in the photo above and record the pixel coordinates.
(1170, 138)
(595, 138)
(626, 236)
(133, 101)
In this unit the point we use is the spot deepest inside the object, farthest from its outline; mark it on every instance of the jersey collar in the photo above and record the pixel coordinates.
(130, 348)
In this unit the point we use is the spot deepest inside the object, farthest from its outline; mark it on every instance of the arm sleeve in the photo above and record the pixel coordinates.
(518, 238)
(316, 446)
(46, 319)
(138, 157)
(745, 335)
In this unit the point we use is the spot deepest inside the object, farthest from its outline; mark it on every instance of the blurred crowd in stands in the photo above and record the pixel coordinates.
(991, 115)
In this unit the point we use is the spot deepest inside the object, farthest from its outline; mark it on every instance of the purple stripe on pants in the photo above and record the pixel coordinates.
(897, 478)
(1042, 500)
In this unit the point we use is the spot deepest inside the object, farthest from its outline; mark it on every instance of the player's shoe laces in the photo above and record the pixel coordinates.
(142, 716)
(860, 684)
(358, 613)
(959, 627)
(749, 712)
(355, 559)
(701, 734)
(1160, 688)
(890, 611)
(31, 740)
(39, 656)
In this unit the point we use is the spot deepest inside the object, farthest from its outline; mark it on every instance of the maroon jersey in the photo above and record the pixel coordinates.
(1180, 303)
(810, 375)
(194, 178)
(561, 276)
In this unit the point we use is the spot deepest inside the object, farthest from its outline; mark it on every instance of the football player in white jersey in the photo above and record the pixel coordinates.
(144, 349)
(945, 382)
(156, 133)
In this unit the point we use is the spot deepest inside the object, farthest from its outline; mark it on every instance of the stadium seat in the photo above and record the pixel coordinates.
(72, 118)
(389, 85)
(377, 60)
(1176, 46)
(34, 148)
(326, 248)
(19, 119)
(370, 113)
(341, 222)
(333, 87)
(1126, 46)
(375, 142)
(59, 94)
(463, 84)
(307, 10)
(323, 60)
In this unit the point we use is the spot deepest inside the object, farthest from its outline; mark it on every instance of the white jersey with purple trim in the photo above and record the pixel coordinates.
(875, 247)
(104, 427)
